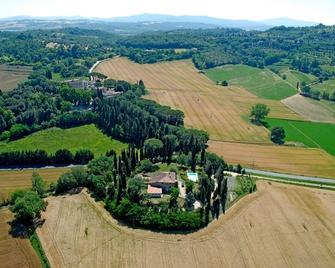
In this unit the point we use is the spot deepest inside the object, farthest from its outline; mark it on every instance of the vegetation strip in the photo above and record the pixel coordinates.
(35, 242)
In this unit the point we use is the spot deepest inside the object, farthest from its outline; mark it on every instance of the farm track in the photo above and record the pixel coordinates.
(223, 113)
(278, 226)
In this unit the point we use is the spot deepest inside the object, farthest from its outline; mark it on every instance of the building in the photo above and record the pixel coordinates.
(164, 180)
(154, 192)
(79, 84)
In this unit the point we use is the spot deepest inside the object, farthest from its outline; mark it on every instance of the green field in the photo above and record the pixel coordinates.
(50, 140)
(262, 82)
(328, 86)
(311, 134)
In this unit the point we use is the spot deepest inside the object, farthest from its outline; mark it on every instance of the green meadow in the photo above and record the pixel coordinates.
(73, 139)
(262, 82)
(311, 134)
(328, 86)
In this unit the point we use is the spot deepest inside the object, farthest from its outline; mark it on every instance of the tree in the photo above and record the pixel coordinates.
(28, 207)
(174, 198)
(224, 83)
(153, 148)
(101, 165)
(189, 186)
(38, 184)
(48, 74)
(18, 131)
(278, 135)
(147, 166)
(83, 156)
(189, 201)
(65, 182)
(170, 143)
(63, 156)
(259, 112)
(17, 194)
(135, 187)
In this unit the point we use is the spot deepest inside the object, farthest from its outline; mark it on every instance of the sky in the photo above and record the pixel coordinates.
(311, 10)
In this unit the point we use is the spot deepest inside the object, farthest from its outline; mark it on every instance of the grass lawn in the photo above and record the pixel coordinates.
(328, 86)
(50, 140)
(262, 82)
(59, 78)
(311, 134)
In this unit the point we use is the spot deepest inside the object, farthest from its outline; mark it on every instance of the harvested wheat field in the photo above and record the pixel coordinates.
(312, 110)
(11, 76)
(302, 161)
(278, 226)
(10, 180)
(15, 252)
(223, 113)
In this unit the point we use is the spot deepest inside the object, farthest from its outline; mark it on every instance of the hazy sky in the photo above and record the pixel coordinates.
(312, 10)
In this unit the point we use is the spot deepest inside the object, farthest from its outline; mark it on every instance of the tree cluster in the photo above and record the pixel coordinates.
(41, 157)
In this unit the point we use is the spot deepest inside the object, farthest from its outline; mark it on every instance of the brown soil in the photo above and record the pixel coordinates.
(279, 226)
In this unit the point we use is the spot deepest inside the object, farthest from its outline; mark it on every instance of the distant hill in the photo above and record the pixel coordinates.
(142, 23)
(226, 23)
(288, 22)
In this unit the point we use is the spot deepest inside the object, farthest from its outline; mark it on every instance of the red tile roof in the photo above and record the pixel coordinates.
(154, 190)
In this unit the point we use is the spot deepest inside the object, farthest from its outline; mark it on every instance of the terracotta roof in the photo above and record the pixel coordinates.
(154, 190)
(164, 177)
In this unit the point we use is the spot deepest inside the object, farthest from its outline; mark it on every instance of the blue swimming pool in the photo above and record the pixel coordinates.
(192, 176)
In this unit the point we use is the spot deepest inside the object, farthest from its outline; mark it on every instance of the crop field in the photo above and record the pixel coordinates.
(261, 82)
(10, 180)
(221, 111)
(286, 159)
(10, 76)
(311, 134)
(53, 139)
(312, 110)
(278, 226)
(14, 252)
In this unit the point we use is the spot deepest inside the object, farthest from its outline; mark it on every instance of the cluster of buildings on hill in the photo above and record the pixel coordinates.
(95, 85)
(161, 183)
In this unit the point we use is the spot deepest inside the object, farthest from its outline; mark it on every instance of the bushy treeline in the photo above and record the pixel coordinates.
(41, 157)
(310, 92)
(305, 49)
(156, 55)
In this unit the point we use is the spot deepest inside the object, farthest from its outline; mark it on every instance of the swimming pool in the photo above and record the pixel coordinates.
(192, 176)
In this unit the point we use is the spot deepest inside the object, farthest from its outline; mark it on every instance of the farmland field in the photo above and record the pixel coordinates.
(286, 159)
(278, 226)
(14, 252)
(50, 140)
(311, 134)
(10, 180)
(312, 110)
(262, 82)
(10, 76)
(223, 113)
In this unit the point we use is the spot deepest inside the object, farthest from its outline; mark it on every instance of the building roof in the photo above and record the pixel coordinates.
(154, 190)
(164, 177)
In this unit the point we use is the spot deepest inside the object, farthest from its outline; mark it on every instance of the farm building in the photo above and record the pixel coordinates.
(154, 192)
(164, 180)
(79, 84)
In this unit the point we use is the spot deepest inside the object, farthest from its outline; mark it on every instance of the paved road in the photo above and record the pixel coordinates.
(290, 176)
